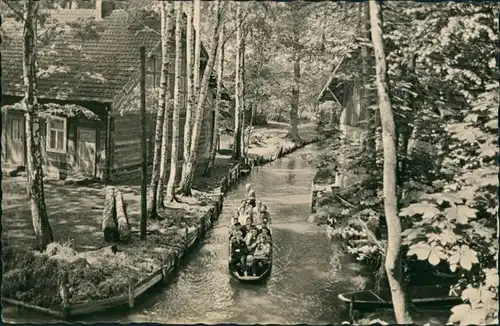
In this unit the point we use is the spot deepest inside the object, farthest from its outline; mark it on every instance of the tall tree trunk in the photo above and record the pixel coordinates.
(250, 124)
(168, 104)
(185, 187)
(293, 132)
(175, 116)
(190, 59)
(393, 256)
(161, 112)
(237, 90)
(41, 225)
(144, 159)
(215, 132)
(242, 92)
(366, 98)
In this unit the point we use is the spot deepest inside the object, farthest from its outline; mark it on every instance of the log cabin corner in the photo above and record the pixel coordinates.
(98, 74)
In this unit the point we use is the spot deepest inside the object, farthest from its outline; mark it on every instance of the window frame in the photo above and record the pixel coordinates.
(65, 135)
(19, 132)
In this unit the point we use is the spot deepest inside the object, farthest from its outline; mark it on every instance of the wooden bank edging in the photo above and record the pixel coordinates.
(171, 263)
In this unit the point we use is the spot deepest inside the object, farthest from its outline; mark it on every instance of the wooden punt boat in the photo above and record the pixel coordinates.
(263, 274)
(422, 296)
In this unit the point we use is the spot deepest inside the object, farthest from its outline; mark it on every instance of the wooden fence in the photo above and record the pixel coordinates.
(163, 274)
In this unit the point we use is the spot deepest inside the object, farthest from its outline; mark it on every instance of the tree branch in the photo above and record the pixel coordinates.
(234, 30)
(18, 13)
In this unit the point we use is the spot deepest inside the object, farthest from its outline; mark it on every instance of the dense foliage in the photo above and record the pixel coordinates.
(445, 93)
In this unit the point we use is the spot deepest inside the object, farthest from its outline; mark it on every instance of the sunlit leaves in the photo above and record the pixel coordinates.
(463, 256)
(460, 213)
(491, 277)
(433, 253)
(427, 210)
(482, 231)
(442, 197)
(465, 315)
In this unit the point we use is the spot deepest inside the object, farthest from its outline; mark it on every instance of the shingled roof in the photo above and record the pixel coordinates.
(75, 66)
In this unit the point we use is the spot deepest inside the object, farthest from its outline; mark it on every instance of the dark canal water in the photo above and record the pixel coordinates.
(309, 270)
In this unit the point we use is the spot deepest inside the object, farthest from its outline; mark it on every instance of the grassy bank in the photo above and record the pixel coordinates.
(94, 272)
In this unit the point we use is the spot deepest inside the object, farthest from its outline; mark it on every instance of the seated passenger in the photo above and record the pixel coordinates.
(257, 209)
(261, 254)
(239, 251)
(251, 239)
(265, 232)
(235, 227)
(250, 200)
(248, 188)
(247, 228)
(243, 217)
(265, 215)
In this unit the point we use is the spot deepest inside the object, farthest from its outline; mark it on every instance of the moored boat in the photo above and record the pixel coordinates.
(423, 296)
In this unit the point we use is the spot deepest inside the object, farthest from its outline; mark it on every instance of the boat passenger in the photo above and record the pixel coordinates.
(265, 215)
(248, 188)
(248, 225)
(239, 251)
(251, 198)
(261, 254)
(265, 232)
(251, 238)
(244, 216)
(257, 209)
(235, 225)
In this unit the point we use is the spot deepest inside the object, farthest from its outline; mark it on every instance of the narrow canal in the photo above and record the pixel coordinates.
(309, 270)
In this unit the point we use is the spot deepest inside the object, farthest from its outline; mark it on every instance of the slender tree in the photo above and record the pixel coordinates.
(215, 132)
(393, 253)
(366, 98)
(293, 132)
(41, 225)
(168, 103)
(242, 90)
(237, 90)
(144, 162)
(152, 202)
(190, 84)
(174, 156)
(185, 187)
(195, 90)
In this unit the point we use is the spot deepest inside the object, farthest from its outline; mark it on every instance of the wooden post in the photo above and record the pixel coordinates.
(131, 284)
(65, 295)
(164, 268)
(144, 163)
(186, 241)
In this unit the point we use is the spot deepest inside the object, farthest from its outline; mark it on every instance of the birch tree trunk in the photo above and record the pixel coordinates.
(152, 202)
(366, 98)
(293, 132)
(185, 187)
(41, 225)
(215, 132)
(237, 92)
(249, 133)
(168, 104)
(393, 255)
(242, 93)
(190, 84)
(175, 116)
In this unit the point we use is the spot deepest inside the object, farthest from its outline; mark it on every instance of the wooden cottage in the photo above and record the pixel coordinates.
(340, 103)
(91, 74)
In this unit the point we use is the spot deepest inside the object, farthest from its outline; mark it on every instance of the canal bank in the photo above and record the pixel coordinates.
(309, 271)
(138, 285)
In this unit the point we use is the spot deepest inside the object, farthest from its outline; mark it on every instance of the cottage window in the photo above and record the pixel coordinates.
(17, 129)
(56, 135)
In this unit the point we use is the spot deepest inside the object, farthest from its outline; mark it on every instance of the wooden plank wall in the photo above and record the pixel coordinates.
(126, 127)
